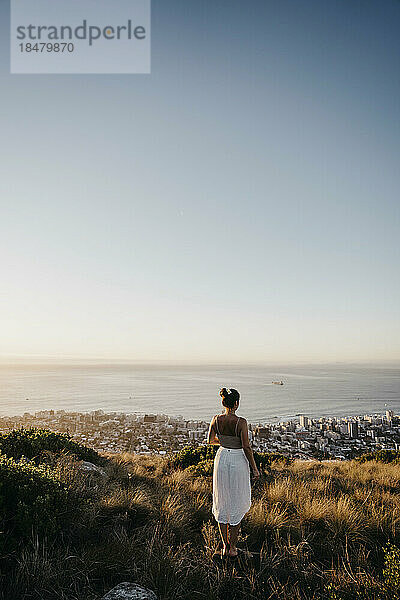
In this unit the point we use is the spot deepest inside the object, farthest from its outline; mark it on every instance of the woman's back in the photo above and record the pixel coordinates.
(228, 431)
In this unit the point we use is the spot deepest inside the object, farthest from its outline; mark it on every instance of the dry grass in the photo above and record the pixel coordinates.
(316, 531)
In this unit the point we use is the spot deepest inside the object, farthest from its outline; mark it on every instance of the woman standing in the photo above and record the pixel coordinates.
(232, 463)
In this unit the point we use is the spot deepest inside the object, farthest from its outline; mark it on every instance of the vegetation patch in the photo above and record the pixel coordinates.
(199, 460)
(192, 455)
(383, 456)
(35, 444)
(315, 530)
(31, 499)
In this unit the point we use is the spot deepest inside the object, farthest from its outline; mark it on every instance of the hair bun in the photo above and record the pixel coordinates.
(229, 397)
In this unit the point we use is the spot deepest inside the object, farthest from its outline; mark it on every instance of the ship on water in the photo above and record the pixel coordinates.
(278, 382)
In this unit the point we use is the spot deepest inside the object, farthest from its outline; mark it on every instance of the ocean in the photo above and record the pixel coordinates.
(192, 391)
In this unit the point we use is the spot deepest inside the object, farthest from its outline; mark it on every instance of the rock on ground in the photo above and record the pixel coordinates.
(130, 591)
(89, 467)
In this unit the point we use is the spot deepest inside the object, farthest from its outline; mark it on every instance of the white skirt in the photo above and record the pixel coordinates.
(231, 486)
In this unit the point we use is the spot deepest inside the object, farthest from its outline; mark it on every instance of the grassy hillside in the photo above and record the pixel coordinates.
(317, 531)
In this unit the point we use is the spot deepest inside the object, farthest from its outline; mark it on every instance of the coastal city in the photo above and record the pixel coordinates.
(302, 438)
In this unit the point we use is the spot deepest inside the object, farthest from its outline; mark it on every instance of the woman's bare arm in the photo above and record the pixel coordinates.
(212, 437)
(244, 434)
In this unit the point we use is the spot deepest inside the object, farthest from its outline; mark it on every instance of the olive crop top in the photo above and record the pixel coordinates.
(229, 441)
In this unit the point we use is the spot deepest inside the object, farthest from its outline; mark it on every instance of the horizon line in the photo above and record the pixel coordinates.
(53, 359)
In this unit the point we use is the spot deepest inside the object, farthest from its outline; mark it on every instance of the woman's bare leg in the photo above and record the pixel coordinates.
(223, 529)
(233, 537)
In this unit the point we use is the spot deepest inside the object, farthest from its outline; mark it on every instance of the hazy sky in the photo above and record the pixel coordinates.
(239, 203)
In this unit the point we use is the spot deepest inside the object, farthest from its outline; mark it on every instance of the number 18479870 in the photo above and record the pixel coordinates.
(47, 47)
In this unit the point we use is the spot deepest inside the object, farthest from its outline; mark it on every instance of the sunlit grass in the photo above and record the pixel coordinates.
(311, 525)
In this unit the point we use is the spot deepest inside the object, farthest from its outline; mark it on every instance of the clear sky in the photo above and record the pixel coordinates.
(241, 203)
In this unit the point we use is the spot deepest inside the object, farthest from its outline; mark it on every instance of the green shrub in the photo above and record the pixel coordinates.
(36, 443)
(31, 497)
(383, 456)
(391, 571)
(264, 460)
(191, 455)
(200, 459)
(203, 469)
